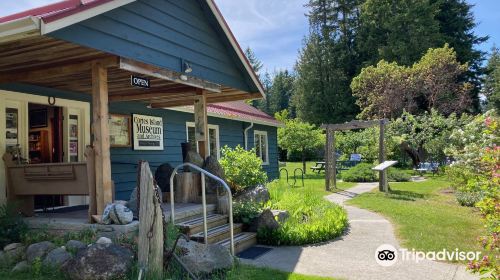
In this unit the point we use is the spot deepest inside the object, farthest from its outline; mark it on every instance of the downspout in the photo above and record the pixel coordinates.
(246, 135)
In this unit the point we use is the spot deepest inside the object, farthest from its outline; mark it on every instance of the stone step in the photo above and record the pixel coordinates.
(242, 241)
(195, 225)
(217, 234)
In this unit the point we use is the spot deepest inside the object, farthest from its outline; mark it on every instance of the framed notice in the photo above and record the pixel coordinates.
(119, 130)
(147, 132)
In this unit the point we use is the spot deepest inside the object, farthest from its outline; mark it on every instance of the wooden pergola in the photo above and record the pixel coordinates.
(52, 63)
(331, 157)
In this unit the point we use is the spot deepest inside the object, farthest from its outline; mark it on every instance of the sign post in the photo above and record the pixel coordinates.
(382, 168)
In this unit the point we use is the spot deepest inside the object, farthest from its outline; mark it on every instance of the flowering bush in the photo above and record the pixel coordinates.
(478, 170)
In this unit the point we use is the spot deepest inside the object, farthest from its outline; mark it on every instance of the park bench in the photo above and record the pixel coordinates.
(425, 167)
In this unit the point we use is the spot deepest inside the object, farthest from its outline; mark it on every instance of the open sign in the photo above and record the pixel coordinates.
(139, 82)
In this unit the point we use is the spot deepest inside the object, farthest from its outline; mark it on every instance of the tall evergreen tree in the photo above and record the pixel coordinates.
(281, 93)
(492, 81)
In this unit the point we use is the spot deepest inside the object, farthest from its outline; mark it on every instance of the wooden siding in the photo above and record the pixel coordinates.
(162, 33)
(124, 160)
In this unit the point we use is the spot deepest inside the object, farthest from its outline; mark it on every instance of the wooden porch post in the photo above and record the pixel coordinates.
(104, 192)
(201, 123)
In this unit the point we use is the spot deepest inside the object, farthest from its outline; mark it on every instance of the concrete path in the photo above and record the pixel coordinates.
(352, 256)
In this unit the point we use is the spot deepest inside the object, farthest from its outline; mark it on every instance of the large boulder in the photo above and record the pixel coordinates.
(281, 215)
(258, 194)
(74, 246)
(213, 166)
(204, 259)
(266, 221)
(13, 252)
(39, 250)
(133, 204)
(195, 159)
(21, 266)
(100, 261)
(57, 257)
(162, 176)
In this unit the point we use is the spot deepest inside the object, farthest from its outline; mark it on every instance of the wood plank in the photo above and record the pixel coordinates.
(154, 71)
(150, 244)
(101, 144)
(381, 157)
(152, 94)
(201, 123)
(90, 158)
(56, 71)
(353, 125)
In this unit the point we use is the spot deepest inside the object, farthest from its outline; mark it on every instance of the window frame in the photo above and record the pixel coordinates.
(217, 138)
(261, 133)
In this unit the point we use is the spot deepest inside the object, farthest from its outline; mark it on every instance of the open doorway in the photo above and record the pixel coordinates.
(45, 138)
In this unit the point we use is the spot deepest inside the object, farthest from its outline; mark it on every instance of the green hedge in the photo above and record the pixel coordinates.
(360, 173)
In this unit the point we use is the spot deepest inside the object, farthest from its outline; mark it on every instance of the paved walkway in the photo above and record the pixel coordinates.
(352, 256)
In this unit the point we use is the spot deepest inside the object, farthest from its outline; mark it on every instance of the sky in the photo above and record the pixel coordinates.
(275, 29)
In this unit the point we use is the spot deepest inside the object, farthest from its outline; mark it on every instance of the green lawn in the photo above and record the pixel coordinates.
(426, 215)
(246, 272)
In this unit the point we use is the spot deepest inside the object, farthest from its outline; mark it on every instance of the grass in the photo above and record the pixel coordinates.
(426, 215)
(246, 272)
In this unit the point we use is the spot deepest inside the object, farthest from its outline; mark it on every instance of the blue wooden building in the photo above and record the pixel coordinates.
(80, 73)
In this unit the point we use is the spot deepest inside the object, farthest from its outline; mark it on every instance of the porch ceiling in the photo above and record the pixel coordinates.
(52, 63)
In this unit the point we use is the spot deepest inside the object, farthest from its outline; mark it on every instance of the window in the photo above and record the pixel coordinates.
(261, 146)
(213, 139)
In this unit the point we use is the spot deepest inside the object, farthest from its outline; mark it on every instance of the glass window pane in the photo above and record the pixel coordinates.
(264, 148)
(212, 142)
(257, 145)
(191, 138)
(11, 129)
(73, 138)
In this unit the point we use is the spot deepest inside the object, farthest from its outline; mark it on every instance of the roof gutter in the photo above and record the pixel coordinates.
(19, 29)
(246, 135)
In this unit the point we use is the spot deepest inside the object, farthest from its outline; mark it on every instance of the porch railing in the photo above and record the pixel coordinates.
(204, 173)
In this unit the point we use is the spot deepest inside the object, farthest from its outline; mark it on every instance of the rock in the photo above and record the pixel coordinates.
(194, 158)
(57, 257)
(38, 250)
(281, 215)
(213, 166)
(14, 252)
(133, 204)
(259, 194)
(266, 220)
(121, 202)
(100, 261)
(121, 215)
(162, 176)
(104, 240)
(204, 259)
(3, 258)
(74, 246)
(106, 218)
(21, 266)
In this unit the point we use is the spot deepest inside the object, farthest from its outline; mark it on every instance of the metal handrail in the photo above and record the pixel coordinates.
(204, 202)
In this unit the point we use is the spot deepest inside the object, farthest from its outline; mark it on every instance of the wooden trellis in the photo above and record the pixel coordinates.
(331, 157)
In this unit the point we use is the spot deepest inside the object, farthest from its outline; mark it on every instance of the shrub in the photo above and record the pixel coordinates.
(245, 212)
(312, 218)
(12, 226)
(242, 168)
(396, 175)
(360, 173)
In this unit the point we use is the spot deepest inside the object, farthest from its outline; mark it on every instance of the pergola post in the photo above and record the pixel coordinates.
(330, 158)
(100, 127)
(381, 156)
(201, 123)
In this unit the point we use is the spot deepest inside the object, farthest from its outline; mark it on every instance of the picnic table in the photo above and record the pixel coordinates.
(341, 165)
(425, 167)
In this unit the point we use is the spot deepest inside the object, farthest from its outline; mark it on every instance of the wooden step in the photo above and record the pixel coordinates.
(195, 225)
(242, 241)
(187, 211)
(217, 234)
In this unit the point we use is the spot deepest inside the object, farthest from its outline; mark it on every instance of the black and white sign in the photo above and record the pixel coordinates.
(139, 82)
(148, 132)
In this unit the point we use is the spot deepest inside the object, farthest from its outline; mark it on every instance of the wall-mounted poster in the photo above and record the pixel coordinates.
(119, 130)
(148, 132)
(11, 132)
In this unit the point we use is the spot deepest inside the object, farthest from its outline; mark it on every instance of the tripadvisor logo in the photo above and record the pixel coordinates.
(387, 255)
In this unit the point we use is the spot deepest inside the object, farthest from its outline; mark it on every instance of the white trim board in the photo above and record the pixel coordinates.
(262, 133)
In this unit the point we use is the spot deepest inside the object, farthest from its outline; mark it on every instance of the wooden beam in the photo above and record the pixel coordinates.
(160, 93)
(104, 188)
(174, 103)
(353, 125)
(165, 74)
(381, 156)
(55, 71)
(201, 123)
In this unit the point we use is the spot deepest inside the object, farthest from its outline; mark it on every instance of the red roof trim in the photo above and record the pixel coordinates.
(263, 115)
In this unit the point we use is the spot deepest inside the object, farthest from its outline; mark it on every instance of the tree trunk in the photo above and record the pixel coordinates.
(304, 161)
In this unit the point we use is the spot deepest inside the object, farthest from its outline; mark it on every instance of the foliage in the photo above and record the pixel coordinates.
(386, 90)
(34, 236)
(492, 81)
(312, 218)
(360, 173)
(425, 215)
(469, 198)
(298, 136)
(12, 226)
(476, 149)
(397, 175)
(242, 168)
(246, 211)
(281, 92)
(425, 137)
